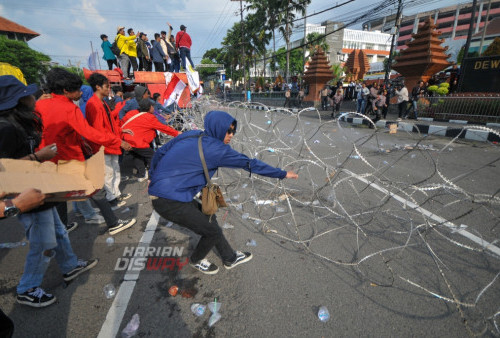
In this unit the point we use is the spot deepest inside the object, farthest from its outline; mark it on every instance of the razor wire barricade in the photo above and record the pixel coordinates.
(394, 208)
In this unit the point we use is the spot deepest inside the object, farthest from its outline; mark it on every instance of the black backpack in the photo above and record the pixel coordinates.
(115, 49)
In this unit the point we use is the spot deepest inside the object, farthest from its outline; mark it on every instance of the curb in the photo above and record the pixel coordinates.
(446, 131)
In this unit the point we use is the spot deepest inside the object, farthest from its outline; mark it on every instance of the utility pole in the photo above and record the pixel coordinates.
(484, 28)
(287, 44)
(398, 23)
(243, 46)
(305, 38)
(467, 44)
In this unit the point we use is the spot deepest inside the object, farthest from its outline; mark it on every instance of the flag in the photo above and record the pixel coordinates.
(92, 61)
(173, 91)
(192, 76)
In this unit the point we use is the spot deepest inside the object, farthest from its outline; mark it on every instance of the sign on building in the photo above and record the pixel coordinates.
(481, 74)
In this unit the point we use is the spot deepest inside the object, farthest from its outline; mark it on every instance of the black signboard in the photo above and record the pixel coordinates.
(481, 74)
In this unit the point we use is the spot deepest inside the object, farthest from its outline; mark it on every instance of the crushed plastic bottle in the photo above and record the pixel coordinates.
(214, 307)
(169, 224)
(239, 207)
(110, 241)
(198, 309)
(228, 226)
(12, 245)
(271, 150)
(131, 329)
(354, 156)
(245, 215)
(109, 291)
(214, 319)
(315, 202)
(251, 242)
(323, 314)
(257, 221)
(280, 209)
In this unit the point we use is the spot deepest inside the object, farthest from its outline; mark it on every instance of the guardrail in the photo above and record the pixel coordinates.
(470, 108)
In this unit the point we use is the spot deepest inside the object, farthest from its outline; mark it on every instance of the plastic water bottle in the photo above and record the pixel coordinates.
(109, 291)
(198, 309)
(131, 329)
(245, 215)
(251, 242)
(323, 314)
(110, 241)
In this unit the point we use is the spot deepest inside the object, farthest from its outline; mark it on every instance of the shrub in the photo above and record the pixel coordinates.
(445, 85)
(442, 91)
(432, 88)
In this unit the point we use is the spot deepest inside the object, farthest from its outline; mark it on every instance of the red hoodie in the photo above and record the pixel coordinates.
(144, 128)
(64, 125)
(182, 39)
(98, 118)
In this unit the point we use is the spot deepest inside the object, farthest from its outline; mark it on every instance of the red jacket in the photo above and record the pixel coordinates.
(98, 118)
(64, 125)
(182, 39)
(144, 128)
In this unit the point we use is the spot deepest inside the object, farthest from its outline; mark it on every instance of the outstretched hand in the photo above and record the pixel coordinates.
(291, 174)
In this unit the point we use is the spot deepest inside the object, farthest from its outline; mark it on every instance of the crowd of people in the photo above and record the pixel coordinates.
(133, 51)
(59, 123)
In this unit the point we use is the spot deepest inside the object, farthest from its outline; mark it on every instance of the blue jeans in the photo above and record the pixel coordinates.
(414, 102)
(44, 231)
(185, 53)
(85, 208)
(360, 106)
(175, 66)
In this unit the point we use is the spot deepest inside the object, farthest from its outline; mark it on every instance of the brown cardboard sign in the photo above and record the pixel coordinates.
(68, 180)
(393, 128)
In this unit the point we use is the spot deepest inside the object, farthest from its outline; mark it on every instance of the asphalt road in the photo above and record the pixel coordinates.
(380, 228)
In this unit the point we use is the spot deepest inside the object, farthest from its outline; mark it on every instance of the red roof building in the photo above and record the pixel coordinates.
(15, 31)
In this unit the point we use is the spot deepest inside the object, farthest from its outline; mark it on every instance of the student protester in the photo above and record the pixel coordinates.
(337, 101)
(158, 54)
(108, 54)
(127, 48)
(99, 116)
(402, 93)
(65, 126)
(143, 125)
(177, 175)
(140, 93)
(143, 53)
(378, 106)
(164, 47)
(287, 98)
(20, 134)
(173, 53)
(183, 43)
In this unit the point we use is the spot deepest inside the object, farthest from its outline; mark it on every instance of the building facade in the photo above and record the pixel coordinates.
(14, 31)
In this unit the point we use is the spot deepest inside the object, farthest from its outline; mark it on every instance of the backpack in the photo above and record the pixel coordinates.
(115, 49)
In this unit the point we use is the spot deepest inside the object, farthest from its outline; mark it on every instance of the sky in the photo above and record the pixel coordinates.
(68, 28)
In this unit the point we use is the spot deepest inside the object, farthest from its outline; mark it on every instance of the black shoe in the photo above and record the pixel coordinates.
(80, 268)
(123, 224)
(37, 297)
(72, 226)
(205, 266)
(241, 257)
(124, 197)
(116, 204)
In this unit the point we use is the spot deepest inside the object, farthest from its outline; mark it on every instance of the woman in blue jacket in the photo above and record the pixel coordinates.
(177, 176)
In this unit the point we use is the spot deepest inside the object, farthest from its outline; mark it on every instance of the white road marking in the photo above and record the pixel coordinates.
(454, 228)
(115, 314)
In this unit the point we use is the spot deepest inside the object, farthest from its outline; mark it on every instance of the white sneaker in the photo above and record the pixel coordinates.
(97, 219)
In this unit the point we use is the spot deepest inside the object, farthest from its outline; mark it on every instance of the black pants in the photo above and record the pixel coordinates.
(158, 66)
(102, 203)
(324, 102)
(6, 325)
(133, 62)
(111, 63)
(144, 64)
(384, 112)
(142, 159)
(287, 102)
(189, 215)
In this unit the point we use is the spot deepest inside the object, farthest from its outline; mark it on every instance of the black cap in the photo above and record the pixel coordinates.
(183, 27)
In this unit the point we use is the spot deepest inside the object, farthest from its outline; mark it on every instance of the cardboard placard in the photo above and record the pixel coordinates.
(68, 180)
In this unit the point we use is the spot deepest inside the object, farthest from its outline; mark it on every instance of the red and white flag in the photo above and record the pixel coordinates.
(173, 91)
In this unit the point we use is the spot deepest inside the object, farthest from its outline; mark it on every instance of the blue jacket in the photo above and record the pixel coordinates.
(176, 171)
(87, 93)
(158, 54)
(132, 104)
(106, 48)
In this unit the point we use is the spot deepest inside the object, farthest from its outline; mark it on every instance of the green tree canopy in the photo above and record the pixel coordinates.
(33, 64)
(319, 40)
(295, 60)
(204, 72)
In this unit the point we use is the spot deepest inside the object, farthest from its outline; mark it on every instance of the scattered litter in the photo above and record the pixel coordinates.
(271, 231)
(257, 221)
(385, 162)
(373, 284)
(413, 155)
(12, 245)
(323, 314)
(214, 306)
(282, 197)
(354, 156)
(109, 291)
(245, 215)
(188, 293)
(459, 228)
(251, 242)
(316, 141)
(269, 121)
(271, 150)
(238, 207)
(236, 197)
(172, 291)
(267, 202)
(450, 149)
(131, 329)
(280, 209)
(214, 319)
(244, 186)
(110, 241)
(315, 202)
(228, 226)
(308, 123)
(169, 224)
(198, 309)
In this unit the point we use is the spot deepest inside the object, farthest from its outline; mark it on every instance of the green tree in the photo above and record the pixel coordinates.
(493, 48)
(338, 72)
(204, 72)
(294, 62)
(318, 40)
(33, 64)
